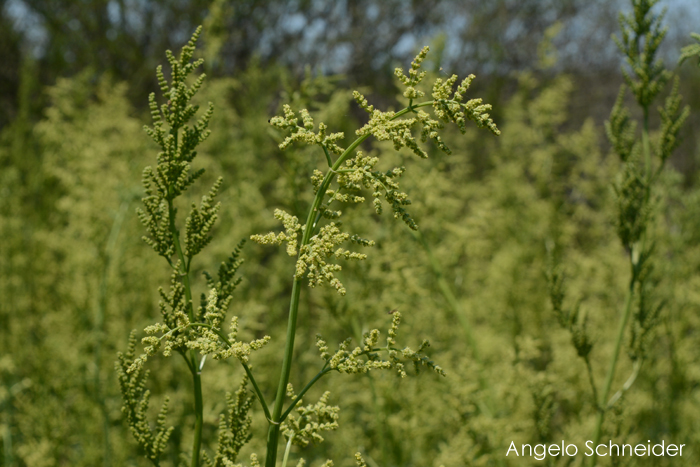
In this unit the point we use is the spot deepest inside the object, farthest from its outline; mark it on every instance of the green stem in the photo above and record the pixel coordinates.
(275, 420)
(613, 363)
(328, 156)
(199, 417)
(196, 374)
(256, 390)
(628, 384)
(592, 382)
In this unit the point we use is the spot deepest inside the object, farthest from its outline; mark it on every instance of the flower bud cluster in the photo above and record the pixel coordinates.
(305, 134)
(358, 172)
(311, 421)
(648, 308)
(453, 110)
(254, 462)
(227, 280)
(384, 126)
(234, 428)
(672, 119)
(178, 332)
(633, 209)
(290, 234)
(200, 222)
(620, 129)
(642, 34)
(204, 337)
(569, 319)
(414, 77)
(156, 218)
(690, 51)
(132, 383)
(384, 185)
(173, 174)
(321, 247)
(366, 358)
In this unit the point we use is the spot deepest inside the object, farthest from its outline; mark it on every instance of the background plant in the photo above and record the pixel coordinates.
(493, 205)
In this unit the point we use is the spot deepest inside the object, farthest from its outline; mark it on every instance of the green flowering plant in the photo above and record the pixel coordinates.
(185, 329)
(636, 201)
(319, 245)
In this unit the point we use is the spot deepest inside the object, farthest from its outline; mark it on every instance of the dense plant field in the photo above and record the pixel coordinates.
(551, 262)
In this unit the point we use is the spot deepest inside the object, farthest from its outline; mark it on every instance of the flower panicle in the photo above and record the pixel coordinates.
(367, 357)
(136, 399)
(642, 34)
(415, 76)
(178, 138)
(290, 234)
(313, 260)
(234, 426)
(310, 421)
(315, 251)
(304, 133)
(454, 110)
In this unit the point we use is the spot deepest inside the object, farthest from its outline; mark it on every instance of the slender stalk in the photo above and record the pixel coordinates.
(628, 384)
(274, 430)
(199, 418)
(591, 380)
(604, 404)
(196, 374)
(257, 391)
(286, 452)
(310, 227)
(613, 364)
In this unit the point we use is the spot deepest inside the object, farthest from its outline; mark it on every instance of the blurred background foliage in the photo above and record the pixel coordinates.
(75, 277)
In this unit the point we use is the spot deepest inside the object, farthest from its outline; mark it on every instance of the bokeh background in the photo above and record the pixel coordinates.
(75, 277)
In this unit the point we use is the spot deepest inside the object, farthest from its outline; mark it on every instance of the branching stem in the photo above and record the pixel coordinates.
(311, 224)
(191, 357)
(613, 361)
(636, 252)
(247, 369)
